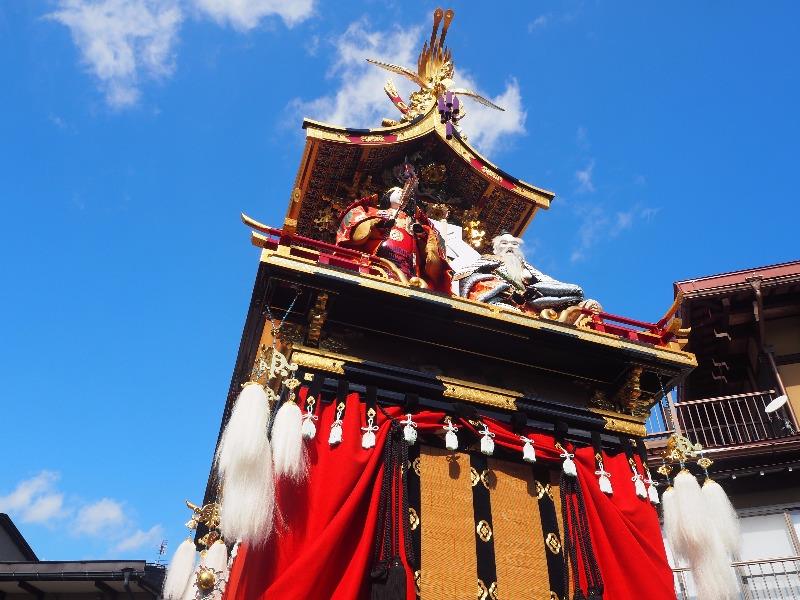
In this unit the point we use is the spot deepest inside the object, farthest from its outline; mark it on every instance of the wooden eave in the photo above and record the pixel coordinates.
(336, 155)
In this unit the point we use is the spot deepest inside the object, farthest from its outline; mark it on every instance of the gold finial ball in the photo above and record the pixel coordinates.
(206, 579)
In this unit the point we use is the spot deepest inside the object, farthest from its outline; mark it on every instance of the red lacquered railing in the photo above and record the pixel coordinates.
(657, 334)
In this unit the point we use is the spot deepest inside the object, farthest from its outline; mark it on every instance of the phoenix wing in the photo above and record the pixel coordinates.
(407, 73)
(477, 97)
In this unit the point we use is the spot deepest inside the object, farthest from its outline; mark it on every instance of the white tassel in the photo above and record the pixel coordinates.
(652, 491)
(713, 574)
(688, 533)
(335, 436)
(638, 484)
(244, 466)
(604, 478)
(288, 453)
(528, 451)
(247, 508)
(637, 479)
(216, 558)
(191, 592)
(409, 430)
(723, 518)
(450, 438)
(487, 443)
(670, 516)
(180, 570)
(246, 431)
(368, 437)
(309, 429)
(568, 465)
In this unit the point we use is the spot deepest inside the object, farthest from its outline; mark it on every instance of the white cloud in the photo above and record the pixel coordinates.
(244, 15)
(139, 538)
(486, 127)
(582, 137)
(538, 23)
(123, 42)
(359, 101)
(597, 224)
(35, 500)
(100, 518)
(584, 177)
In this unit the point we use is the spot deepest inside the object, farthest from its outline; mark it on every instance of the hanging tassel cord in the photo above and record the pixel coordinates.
(577, 539)
(388, 572)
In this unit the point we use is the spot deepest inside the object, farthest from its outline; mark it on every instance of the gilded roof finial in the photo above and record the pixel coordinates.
(434, 76)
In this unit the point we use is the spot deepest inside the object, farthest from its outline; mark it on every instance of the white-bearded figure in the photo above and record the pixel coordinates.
(506, 279)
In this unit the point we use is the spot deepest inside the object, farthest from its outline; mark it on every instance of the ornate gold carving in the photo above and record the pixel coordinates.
(473, 231)
(680, 449)
(474, 478)
(626, 427)
(704, 462)
(291, 333)
(478, 396)
(487, 593)
(484, 530)
(316, 319)
(413, 518)
(206, 579)
(553, 543)
(541, 490)
(318, 362)
(600, 400)
(630, 396)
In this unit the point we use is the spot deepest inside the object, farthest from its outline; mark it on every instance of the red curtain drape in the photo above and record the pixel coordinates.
(323, 543)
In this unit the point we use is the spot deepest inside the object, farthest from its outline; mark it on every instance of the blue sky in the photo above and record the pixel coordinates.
(133, 132)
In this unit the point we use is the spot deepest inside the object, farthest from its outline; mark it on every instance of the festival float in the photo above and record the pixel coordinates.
(416, 410)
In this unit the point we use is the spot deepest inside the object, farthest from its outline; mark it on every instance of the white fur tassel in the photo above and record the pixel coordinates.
(409, 430)
(216, 558)
(713, 575)
(288, 453)
(191, 592)
(723, 518)
(568, 465)
(180, 570)
(450, 438)
(528, 451)
(244, 465)
(487, 443)
(309, 429)
(246, 432)
(247, 508)
(604, 479)
(688, 533)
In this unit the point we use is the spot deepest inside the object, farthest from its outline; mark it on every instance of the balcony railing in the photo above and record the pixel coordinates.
(777, 578)
(661, 333)
(724, 421)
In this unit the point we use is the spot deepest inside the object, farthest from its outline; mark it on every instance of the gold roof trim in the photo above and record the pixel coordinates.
(402, 132)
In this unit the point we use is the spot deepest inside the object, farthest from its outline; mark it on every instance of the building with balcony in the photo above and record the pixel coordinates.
(745, 332)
